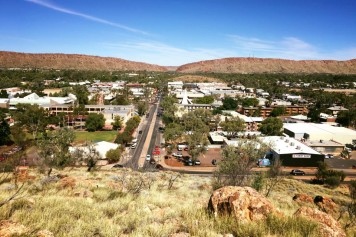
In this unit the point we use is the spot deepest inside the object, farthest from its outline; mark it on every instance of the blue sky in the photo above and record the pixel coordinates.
(175, 32)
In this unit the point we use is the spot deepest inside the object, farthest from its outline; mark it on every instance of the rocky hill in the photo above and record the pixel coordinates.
(71, 61)
(268, 65)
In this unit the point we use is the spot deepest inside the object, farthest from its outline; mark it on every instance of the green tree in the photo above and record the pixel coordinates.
(114, 155)
(229, 104)
(4, 94)
(118, 122)
(233, 126)
(237, 161)
(82, 94)
(142, 107)
(314, 114)
(94, 122)
(4, 133)
(124, 138)
(53, 149)
(347, 118)
(32, 118)
(247, 102)
(18, 136)
(204, 100)
(197, 142)
(278, 111)
(172, 132)
(271, 126)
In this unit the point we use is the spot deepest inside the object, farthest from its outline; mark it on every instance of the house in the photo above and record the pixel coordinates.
(336, 109)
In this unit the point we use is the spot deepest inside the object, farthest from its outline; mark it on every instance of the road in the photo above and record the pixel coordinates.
(139, 152)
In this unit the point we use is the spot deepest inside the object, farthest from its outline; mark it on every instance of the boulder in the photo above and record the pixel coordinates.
(245, 203)
(10, 228)
(302, 198)
(326, 204)
(329, 226)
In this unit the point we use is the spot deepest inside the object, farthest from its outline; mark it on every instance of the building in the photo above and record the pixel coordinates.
(336, 109)
(326, 147)
(4, 103)
(266, 111)
(314, 131)
(292, 152)
(47, 100)
(175, 85)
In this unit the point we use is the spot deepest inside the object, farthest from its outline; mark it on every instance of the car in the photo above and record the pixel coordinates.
(197, 162)
(179, 148)
(214, 162)
(148, 157)
(178, 154)
(331, 156)
(133, 146)
(118, 166)
(152, 161)
(186, 148)
(297, 172)
(159, 167)
(188, 162)
(140, 132)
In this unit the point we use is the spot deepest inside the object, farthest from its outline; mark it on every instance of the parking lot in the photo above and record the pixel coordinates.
(205, 158)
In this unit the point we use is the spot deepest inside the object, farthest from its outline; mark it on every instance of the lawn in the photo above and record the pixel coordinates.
(82, 136)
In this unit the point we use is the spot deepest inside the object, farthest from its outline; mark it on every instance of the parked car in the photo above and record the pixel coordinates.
(140, 132)
(133, 146)
(214, 162)
(152, 161)
(297, 172)
(188, 162)
(186, 148)
(329, 156)
(159, 167)
(177, 154)
(148, 157)
(197, 162)
(118, 166)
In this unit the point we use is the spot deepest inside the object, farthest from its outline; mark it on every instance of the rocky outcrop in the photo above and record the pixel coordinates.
(10, 228)
(72, 61)
(245, 203)
(269, 65)
(326, 205)
(329, 226)
(302, 198)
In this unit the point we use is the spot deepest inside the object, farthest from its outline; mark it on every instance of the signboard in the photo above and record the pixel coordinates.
(302, 156)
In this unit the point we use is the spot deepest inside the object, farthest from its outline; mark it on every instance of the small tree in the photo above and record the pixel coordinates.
(87, 154)
(4, 133)
(53, 149)
(94, 122)
(118, 123)
(271, 126)
(233, 126)
(274, 176)
(114, 155)
(237, 162)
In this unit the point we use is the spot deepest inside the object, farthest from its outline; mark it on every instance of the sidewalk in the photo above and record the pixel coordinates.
(141, 160)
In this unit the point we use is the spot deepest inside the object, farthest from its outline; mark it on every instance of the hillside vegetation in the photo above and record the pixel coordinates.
(226, 65)
(268, 65)
(126, 203)
(72, 61)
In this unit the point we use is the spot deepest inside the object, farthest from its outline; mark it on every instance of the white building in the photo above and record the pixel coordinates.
(313, 131)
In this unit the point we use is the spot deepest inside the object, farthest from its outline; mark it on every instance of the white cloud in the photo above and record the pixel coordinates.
(286, 48)
(163, 54)
(85, 16)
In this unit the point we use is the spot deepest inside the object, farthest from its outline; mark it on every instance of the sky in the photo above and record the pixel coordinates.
(176, 32)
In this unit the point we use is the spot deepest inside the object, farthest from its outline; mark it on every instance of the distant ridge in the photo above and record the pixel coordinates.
(269, 65)
(225, 65)
(71, 61)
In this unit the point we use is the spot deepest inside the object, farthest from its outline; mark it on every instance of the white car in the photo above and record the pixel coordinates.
(148, 157)
(178, 154)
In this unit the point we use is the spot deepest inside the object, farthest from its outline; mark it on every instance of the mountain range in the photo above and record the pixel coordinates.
(225, 65)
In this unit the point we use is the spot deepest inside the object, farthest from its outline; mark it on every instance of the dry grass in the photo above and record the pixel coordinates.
(98, 204)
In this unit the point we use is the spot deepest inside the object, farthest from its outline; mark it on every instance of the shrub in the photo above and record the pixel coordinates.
(333, 181)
